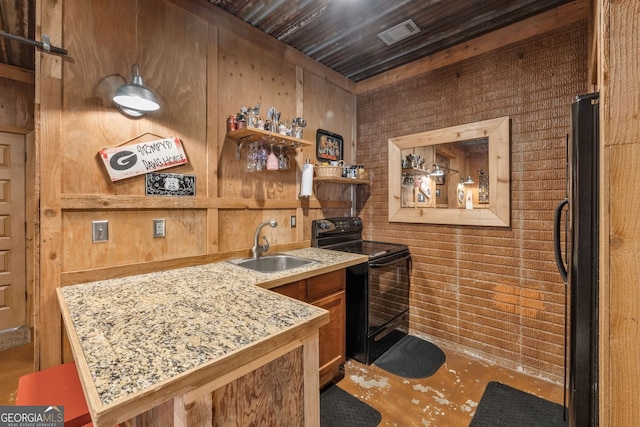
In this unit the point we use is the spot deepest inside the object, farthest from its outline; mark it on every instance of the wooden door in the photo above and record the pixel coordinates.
(12, 231)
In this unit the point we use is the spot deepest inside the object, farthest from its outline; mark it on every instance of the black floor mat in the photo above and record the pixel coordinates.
(411, 357)
(338, 408)
(502, 405)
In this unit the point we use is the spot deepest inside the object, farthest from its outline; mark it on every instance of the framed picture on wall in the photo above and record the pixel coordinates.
(328, 146)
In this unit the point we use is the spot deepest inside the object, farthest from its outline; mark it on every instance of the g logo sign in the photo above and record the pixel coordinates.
(123, 160)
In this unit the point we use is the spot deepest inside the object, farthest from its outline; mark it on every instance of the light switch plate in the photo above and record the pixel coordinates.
(100, 231)
(293, 221)
(159, 228)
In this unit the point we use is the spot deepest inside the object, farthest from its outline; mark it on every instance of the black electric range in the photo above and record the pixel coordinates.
(377, 291)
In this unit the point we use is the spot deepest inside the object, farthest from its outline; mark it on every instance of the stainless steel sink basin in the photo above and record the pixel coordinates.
(272, 263)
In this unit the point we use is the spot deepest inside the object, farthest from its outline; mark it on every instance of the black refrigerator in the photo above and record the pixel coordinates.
(576, 251)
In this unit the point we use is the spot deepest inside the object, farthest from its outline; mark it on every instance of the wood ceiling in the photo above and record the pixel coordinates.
(341, 34)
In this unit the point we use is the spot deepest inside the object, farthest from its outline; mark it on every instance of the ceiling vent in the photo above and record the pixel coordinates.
(399, 32)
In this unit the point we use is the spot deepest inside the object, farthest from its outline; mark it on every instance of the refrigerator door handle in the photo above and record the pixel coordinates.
(556, 239)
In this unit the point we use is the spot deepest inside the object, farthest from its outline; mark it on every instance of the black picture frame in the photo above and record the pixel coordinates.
(329, 146)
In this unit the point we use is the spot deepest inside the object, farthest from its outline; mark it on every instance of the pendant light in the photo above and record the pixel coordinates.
(134, 99)
(439, 170)
(436, 171)
(468, 181)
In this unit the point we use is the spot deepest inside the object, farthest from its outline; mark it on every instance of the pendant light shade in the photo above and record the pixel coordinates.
(437, 171)
(468, 180)
(134, 99)
(440, 170)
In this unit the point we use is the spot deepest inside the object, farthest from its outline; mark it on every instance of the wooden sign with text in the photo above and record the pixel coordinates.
(139, 159)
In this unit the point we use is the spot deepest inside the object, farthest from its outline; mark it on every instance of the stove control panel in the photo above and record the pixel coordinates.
(323, 224)
(339, 225)
(334, 227)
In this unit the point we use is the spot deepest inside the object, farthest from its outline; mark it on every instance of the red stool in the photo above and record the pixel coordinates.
(57, 386)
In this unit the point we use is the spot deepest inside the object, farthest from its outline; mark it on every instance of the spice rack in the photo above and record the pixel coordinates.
(240, 136)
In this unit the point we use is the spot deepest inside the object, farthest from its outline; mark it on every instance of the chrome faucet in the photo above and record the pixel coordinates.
(257, 249)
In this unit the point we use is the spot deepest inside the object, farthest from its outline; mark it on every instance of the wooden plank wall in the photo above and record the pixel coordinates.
(203, 65)
(16, 99)
(619, 82)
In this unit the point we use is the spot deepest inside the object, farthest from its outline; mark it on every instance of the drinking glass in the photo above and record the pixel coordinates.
(252, 157)
(296, 131)
(261, 158)
(273, 163)
(283, 160)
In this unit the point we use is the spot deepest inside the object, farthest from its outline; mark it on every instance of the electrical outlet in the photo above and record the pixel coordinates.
(293, 221)
(159, 228)
(100, 231)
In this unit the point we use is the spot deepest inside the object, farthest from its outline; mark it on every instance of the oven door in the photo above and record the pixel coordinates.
(388, 296)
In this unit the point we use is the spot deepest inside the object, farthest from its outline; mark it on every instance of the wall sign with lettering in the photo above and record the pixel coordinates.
(170, 184)
(144, 157)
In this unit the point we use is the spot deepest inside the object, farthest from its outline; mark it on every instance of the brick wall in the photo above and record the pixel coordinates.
(490, 291)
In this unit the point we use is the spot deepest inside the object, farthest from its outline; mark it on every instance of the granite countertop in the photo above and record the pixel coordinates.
(139, 331)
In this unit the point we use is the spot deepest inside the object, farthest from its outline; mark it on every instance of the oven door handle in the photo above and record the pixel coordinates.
(384, 264)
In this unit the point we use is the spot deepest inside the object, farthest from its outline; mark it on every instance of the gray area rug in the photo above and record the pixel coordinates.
(502, 405)
(412, 357)
(340, 409)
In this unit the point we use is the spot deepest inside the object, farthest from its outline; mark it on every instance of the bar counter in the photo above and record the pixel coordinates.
(169, 337)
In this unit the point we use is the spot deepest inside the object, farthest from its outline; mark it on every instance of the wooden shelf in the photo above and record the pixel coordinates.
(414, 171)
(339, 180)
(253, 135)
(345, 182)
(140, 203)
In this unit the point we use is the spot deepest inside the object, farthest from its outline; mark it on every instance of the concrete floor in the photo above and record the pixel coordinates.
(448, 398)
(14, 363)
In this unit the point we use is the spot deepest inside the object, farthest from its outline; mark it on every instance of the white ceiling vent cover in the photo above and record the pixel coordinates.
(399, 32)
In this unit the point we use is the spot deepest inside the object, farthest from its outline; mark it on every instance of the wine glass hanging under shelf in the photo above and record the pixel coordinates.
(254, 135)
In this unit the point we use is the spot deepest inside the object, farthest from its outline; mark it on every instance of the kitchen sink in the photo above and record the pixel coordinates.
(272, 263)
